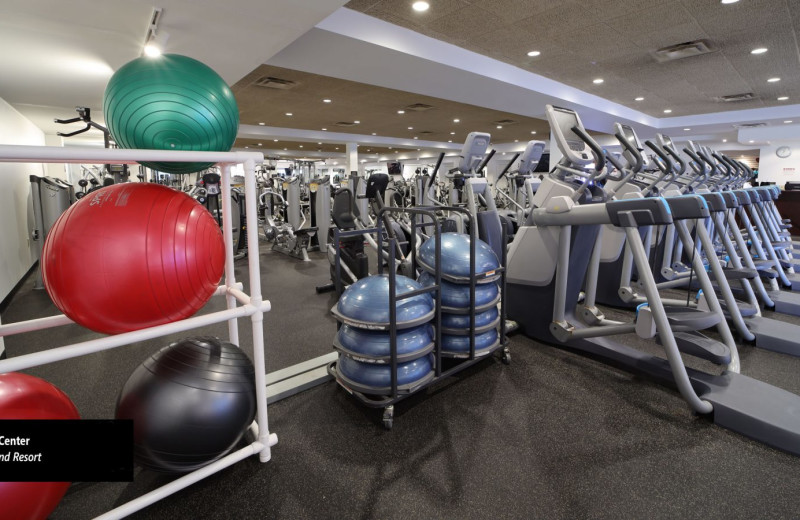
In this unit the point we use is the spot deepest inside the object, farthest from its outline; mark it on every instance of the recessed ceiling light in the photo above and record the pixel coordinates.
(499, 127)
(357, 122)
(728, 1)
(452, 133)
(415, 137)
(503, 153)
(401, 111)
(760, 50)
(259, 144)
(337, 147)
(420, 6)
(247, 147)
(598, 81)
(533, 132)
(783, 98)
(289, 114)
(324, 129)
(773, 80)
(516, 140)
(668, 111)
(724, 140)
(450, 141)
(285, 149)
(319, 143)
(686, 129)
(326, 100)
(410, 127)
(788, 121)
(640, 98)
(533, 54)
(373, 133)
(751, 141)
(262, 124)
(456, 120)
(275, 140)
(301, 146)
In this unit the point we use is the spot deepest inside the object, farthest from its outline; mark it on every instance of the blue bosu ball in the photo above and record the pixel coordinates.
(456, 296)
(378, 377)
(411, 343)
(367, 302)
(455, 256)
(461, 321)
(452, 344)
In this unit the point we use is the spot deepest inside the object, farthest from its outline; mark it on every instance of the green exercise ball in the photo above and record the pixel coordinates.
(170, 102)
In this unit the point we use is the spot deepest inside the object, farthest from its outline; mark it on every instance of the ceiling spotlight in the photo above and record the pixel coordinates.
(686, 129)
(452, 133)
(262, 124)
(668, 111)
(533, 132)
(357, 122)
(533, 54)
(728, 1)
(420, 7)
(516, 140)
(410, 127)
(456, 120)
(247, 147)
(275, 140)
(259, 144)
(598, 81)
(760, 50)
(640, 98)
(499, 127)
(301, 146)
(324, 129)
(450, 141)
(773, 80)
(373, 133)
(401, 111)
(783, 98)
(787, 122)
(319, 143)
(724, 140)
(415, 137)
(326, 100)
(751, 141)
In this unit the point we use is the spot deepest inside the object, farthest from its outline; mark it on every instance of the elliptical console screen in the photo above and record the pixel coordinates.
(566, 121)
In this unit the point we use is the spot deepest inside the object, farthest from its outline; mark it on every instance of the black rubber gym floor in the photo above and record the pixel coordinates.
(553, 435)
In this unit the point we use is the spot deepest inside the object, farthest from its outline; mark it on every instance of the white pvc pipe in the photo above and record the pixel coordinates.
(227, 233)
(257, 319)
(50, 154)
(185, 481)
(97, 345)
(31, 325)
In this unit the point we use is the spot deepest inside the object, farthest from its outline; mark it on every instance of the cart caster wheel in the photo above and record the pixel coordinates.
(388, 417)
(506, 357)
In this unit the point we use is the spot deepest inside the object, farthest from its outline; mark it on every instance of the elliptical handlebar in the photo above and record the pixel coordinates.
(599, 156)
(708, 161)
(722, 163)
(637, 167)
(617, 165)
(667, 165)
(485, 161)
(675, 155)
(697, 163)
(432, 178)
(508, 167)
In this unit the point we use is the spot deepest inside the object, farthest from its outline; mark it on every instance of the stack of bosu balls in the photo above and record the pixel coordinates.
(456, 302)
(364, 344)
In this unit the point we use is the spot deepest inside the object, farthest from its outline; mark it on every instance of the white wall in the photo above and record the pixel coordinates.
(772, 168)
(17, 252)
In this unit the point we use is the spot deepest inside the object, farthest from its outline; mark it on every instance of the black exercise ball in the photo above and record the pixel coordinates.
(190, 403)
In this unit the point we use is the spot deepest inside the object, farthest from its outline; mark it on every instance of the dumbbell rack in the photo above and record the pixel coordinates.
(239, 304)
(387, 402)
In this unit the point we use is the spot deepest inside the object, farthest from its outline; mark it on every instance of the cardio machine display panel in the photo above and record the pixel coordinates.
(562, 121)
(630, 134)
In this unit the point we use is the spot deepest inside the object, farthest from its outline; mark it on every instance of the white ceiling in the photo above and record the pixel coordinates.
(65, 51)
(58, 54)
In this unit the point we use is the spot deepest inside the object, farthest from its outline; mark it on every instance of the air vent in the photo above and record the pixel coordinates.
(683, 50)
(345, 123)
(418, 107)
(750, 125)
(504, 122)
(735, 97)
(278, 83)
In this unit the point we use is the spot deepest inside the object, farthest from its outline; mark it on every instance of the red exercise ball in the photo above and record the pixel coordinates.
(27, 397)
(131, 256)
